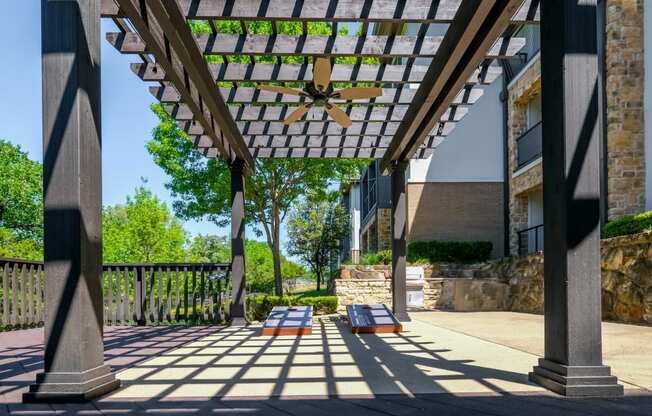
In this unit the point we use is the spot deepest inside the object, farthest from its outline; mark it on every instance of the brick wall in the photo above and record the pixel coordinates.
(456, 211)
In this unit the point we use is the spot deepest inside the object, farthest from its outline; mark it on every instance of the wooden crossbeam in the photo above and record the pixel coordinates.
(475, 27)
(329, 141)
(316, 141)
(315, 128)
(418, 11)
(319, 153)
(258, 72)
(335, 46)
(245, 95)
(279, 113)
(183, 63)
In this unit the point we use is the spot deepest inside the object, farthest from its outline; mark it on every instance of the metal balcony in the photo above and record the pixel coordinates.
(529, 145)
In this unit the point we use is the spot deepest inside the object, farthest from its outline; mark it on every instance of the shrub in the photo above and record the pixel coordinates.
(321, 305)
(258, 307)
(449, 251)
(369, 259)
(375, 258)
(384, 257)
(628, 225)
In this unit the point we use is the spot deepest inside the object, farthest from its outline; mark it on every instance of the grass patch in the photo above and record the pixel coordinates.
(259, 306)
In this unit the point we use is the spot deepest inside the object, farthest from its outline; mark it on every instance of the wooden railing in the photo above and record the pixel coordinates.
(138, 294)
(22, 293)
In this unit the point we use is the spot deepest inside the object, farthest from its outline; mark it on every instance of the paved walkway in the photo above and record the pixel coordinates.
(626, 348)
(212, 370)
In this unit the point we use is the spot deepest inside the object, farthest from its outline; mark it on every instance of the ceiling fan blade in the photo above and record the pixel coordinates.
(280, 89)
(321, 73)
(338, 115)
(297, 114)
(357, 93)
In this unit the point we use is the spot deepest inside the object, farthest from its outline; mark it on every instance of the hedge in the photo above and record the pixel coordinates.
(449, 251)
(258, 307)
(628, 225)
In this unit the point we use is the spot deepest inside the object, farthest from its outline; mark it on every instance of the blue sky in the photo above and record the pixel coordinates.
(127, 121)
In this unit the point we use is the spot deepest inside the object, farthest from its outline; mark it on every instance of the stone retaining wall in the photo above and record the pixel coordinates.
(446, 286)
(626, 279)
(516, 283)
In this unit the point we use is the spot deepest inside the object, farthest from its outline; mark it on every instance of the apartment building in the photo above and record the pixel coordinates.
(626, 91)
(484, 181)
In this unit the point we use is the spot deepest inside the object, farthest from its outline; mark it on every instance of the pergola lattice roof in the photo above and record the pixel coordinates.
(428, 81)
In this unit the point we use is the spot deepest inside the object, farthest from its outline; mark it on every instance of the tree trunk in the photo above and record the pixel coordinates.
(318, 281)
(276, 253)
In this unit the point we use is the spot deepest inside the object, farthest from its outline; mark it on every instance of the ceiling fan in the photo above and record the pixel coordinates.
(321, 92)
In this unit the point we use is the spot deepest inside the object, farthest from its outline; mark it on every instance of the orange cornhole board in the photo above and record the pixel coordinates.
(289, 320)
(367, 319)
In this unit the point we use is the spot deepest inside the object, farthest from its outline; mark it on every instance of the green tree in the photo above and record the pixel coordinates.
(21, 204)
(209, 249)
(142, 230)
(260, 267)
(315, 231)
(202, 188)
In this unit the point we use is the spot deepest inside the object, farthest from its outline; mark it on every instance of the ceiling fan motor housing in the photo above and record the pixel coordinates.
(318, 97)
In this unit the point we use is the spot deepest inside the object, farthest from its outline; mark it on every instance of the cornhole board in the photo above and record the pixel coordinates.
(288, 320)
(368, 319)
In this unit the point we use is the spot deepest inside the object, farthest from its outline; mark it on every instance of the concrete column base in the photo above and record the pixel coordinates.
(576, 381)
(72, 387)
(403, 317)
(238, 321)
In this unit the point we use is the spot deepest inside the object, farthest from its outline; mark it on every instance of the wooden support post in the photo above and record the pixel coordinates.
(571, 194)
(74, 368)
(399, 231)
(140, 296)
(238, 298)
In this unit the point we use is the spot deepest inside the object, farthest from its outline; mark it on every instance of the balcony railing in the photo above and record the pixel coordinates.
(133, 293)
(529, 145)
(530, 240)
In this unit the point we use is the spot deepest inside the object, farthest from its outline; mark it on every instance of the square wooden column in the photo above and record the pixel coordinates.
(74, 351)
(238, 297)
(571, 194)
(399, 249)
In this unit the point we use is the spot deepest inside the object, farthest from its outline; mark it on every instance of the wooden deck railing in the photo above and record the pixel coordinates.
(137, 294)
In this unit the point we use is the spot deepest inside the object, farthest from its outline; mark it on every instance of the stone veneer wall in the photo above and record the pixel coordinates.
(625, 123)
(377, 233)
(516, 283)
(524, 89)
(384, 228)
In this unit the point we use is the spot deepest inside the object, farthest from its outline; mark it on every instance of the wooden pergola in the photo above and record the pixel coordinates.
(250, 121)
(429, 83)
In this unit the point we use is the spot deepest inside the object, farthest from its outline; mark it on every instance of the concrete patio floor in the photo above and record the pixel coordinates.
(209, 370)
(626, 348)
